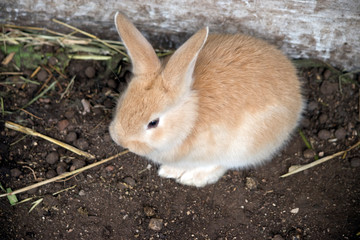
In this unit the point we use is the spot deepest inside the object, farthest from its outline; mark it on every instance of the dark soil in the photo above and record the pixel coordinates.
(126, 199)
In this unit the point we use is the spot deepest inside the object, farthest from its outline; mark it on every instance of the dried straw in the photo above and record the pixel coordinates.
(31, 132)
(64, 175)
(321, 160)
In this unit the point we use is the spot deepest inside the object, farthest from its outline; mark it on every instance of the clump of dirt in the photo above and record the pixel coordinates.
(126, 199)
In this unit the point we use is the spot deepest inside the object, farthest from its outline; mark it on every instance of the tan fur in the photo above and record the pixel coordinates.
(231, 102)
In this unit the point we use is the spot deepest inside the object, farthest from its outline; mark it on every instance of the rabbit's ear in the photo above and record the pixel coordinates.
(178, 73)
(142, 54)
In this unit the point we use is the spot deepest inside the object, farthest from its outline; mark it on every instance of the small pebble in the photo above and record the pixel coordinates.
(312, 106)
(277, 237)
(156, 224)
(82, 193)
(90, 72)
(61, 168)
(77, 163)
(15, 172)
(50, 174)
(71, 137)
(53, 60)
(327, 74)
(97, 111)
(305, 122)
(108, 103)
(251, 183)
(324, 134)
(86, 105)
(309, 153)
(82, 144)
(42, 75)
(294, 211)
(69, 114)
(340, 133)
(328, 88)
(111, 83)
(130, 181)
(52, 157)
(110, 168)
(355, 162)
(323, 118)
(63, 124)
(149, 211)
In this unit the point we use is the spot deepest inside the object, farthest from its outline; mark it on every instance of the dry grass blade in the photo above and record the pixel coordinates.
(57, 70)
(31, 132)
(89, 44)
(89, 35)
(2, 106)
(8, 58)
(65, 175)
(321, 160)
(68, 87)
(24, 27)
(64, 190)
(11, 73)
(23, 34)
(90, 57)
(29, 113)
(35, 72)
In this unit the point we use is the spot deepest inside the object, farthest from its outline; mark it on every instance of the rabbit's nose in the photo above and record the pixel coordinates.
(115, 133)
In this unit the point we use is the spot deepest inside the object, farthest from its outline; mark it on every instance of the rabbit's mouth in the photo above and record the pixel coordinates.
(138, 148)
(135, 146)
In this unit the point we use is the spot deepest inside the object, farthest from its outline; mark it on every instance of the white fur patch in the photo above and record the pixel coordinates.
(232, 149)
(198, 177)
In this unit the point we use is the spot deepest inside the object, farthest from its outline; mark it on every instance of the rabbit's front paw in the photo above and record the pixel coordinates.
(200, 177)
(166, 171)
(197, 177)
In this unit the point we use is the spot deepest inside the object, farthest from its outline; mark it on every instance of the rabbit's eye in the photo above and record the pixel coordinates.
(153, 124)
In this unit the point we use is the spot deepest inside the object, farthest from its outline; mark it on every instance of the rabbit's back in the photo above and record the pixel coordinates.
(239, 72)
(247, 86)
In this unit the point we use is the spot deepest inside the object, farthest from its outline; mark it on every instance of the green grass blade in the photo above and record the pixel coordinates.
(34, 204)
(12, 198)
(40, 95)
(2, 188)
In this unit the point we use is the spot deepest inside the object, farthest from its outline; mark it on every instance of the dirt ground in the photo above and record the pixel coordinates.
(126, 199)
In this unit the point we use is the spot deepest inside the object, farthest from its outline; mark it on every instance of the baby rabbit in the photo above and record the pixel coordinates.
(220, 102)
